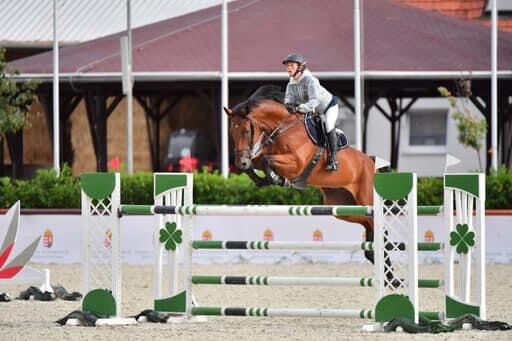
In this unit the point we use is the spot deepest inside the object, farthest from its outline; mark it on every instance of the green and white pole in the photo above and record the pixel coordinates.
(276, 280)
(283, 312)
(278, 245)
(247, 210)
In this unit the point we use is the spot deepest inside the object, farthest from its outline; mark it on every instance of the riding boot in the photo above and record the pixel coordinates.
(332, 141)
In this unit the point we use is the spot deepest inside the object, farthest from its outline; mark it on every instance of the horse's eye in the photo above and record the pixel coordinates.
(247, 132)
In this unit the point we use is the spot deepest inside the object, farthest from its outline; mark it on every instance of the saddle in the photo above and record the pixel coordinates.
(313, 125)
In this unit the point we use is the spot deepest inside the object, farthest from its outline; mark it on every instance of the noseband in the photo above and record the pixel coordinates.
(254, 148)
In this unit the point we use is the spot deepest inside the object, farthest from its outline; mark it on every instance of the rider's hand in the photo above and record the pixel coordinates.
(302, 108)
(291, 108)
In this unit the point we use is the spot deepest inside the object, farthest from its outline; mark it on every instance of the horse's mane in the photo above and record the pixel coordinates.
(263, 93)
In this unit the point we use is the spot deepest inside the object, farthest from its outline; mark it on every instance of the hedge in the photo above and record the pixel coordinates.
(47, 190)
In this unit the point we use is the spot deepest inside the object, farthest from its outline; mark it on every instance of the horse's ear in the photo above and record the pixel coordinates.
(228, 111)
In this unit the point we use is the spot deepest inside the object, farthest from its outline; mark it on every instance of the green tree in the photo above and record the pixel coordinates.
(15, 99)
(471, 127)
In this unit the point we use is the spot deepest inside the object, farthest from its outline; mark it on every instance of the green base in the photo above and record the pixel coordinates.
(456, 308)
(173, 304)
(100, 302)
(394, 306)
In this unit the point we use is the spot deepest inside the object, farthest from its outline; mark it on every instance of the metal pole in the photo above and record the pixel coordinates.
(357, 70)
(129, 108)
(224, 92)
(494, 87)
(56, 114)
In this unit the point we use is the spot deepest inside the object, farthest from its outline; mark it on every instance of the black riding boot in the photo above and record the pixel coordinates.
(332, 141)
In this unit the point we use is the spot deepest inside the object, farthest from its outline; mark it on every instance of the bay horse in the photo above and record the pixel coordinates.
(267, 136)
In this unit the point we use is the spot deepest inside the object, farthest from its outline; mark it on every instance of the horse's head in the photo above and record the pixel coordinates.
(252, 121)
(247, 136)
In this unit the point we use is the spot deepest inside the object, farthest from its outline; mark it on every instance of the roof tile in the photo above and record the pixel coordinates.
(397, 37)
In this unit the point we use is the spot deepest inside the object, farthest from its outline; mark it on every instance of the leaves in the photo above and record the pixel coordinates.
(462, 238)
(171, 236)
(15, 99)
(471, 126)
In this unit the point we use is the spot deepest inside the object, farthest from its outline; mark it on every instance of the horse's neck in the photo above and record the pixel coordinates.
(279, 124)
(271, 119)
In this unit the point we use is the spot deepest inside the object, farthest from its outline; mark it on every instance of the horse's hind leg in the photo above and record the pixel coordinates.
(370, 255)
(341, 196)
(368, 227)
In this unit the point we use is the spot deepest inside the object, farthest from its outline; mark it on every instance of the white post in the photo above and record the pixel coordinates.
(224, 92)
(449, 251)
(357, 70)
(188, 232)
(494, 87)
(115, 222)
(412, 248)
(480, 230)
(129, 104)
(465, 218)
(56, 113)
(85, 247)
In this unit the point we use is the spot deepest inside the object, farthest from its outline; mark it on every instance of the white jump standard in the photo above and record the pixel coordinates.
(395, 245)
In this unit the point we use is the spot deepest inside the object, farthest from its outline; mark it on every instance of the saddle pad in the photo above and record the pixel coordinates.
(313, 126)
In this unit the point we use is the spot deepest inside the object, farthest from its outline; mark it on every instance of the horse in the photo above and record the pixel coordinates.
(267, 136)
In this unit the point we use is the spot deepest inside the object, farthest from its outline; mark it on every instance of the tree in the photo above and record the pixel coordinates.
(15, 100)
(472, 129)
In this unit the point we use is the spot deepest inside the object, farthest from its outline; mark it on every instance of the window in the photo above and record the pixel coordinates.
(427, 130)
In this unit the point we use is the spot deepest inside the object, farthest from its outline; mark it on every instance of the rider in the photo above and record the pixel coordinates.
(305, 94)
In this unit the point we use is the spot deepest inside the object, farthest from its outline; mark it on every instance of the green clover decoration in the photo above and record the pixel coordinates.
(170, 236)
(462, 238)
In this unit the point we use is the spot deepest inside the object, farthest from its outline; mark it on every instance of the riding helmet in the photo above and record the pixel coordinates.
(296, 58)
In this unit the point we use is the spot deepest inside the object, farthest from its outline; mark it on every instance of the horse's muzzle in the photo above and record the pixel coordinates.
(243, 163)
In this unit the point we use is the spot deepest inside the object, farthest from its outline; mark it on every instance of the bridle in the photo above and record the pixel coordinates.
(256, 147)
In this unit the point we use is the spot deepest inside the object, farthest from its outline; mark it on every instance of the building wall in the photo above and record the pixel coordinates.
(424, 163)
(192, 113)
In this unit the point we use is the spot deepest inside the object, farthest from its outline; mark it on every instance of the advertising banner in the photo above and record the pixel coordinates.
(62, 234)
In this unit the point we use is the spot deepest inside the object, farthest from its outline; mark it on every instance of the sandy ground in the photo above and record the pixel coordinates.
(32, 320)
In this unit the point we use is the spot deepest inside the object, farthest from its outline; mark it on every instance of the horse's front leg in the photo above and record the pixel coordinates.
(273, 178)
(258, 180)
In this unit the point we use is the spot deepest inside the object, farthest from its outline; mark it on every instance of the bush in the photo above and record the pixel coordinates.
(499, 188)
(137, 189)
(430, 191)
(47, 190)
(212, 188)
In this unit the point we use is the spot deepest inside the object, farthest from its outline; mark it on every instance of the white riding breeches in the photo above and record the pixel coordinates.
(331, 115)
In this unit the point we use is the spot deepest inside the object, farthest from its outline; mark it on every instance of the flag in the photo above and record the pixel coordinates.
(450, 161)
(381, 163)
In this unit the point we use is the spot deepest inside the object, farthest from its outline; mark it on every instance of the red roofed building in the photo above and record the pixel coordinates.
(466, 9)
(408, 52)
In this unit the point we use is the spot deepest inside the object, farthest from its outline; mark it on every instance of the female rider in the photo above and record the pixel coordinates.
(305, 94)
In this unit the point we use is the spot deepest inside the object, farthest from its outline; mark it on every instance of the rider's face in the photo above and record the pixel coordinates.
(291, 68)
